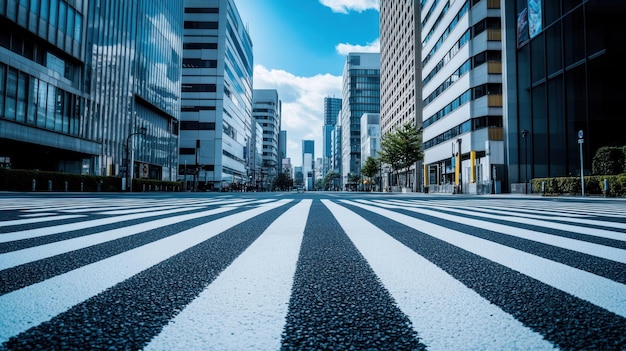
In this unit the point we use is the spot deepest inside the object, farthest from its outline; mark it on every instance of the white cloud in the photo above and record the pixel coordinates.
(344, 48)
(302, 105)
(345, 6)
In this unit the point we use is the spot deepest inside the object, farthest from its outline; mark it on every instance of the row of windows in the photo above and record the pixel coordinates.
(26, 99)
(467, 126)
(447, 32)
(196, 46)
(465, 38)
(198, 63)
(195, 125)
(429, 13)
(197, 108)
(58, 13)
(202, 10)
(28, 47)
(437, 21)
(199, 88)
(200, 25)
(470, 94)
(468, 65)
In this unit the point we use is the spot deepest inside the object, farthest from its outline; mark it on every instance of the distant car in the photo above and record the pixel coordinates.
(297, 189)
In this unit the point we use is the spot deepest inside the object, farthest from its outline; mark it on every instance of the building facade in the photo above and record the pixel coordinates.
(87, 87)
(216, 112)
(332, 108)
(564, 74)
(266, 110)
(308, 163)
(461, 53)
(361, 94)
(370, 135)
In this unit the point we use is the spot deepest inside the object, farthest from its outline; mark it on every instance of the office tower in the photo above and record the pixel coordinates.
(461, 61)
(282, 145)
(308, 166)
(266, 110)
(332, 108)
(216, 118)
(255, 161)
(400, 68)
(85, 87)
(564, 74)
(370, 135)
(361, 94)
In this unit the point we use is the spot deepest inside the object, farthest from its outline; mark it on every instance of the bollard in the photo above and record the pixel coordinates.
(34, 184)
(543, 187)
(49, 185)
(100, 186)
(606, 187)
(81, 187)
(65, 186)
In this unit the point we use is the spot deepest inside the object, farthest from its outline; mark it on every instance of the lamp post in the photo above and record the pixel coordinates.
(525, 136)
(129, 171)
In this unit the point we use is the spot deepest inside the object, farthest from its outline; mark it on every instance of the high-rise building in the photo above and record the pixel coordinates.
(216, 118)
(332, 108)
(85, 88)
(370, 135)
(564, 74)
(266, 110)
(308, 160)
(400, 68)
(461, 61)
(282, 145)
(361, 94)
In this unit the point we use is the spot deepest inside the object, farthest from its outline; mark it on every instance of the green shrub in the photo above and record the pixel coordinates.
(609, 161)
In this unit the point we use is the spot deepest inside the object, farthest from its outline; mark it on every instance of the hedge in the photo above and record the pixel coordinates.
(22, 180)
(594, 185)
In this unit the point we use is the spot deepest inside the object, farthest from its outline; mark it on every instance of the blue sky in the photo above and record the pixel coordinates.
(299, 49)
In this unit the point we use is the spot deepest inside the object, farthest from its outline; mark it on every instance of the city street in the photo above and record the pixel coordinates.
(311, 271)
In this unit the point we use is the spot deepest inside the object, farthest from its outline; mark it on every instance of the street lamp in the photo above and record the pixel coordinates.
(130, 169)
(524, 136)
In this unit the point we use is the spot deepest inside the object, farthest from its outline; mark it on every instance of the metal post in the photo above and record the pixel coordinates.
(582, 173)
(130, 150)
(524, 136)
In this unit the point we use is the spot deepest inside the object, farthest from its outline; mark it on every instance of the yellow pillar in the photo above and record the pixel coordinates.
(426, 175)
(473, 166)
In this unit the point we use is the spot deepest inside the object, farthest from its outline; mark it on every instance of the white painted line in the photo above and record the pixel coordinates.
(597, 250)
(601, 233)
(246, 306)
(32, 305)
(37, 220)
(34, 233)
(446, 314)
(19, 257)
(597, 290)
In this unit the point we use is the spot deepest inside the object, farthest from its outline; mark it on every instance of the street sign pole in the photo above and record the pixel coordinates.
(582, 175)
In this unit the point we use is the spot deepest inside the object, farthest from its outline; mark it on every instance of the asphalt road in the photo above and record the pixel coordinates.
(312, 271)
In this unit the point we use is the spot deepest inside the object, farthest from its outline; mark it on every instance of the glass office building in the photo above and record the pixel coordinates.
(332, 108)
(564, 74)
(79, 79)
(361, 94)
(216, 117)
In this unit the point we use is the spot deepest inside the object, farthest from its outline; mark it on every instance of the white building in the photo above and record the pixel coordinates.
(370, 135)
(266, 110)
(462, 95)
(216, 108)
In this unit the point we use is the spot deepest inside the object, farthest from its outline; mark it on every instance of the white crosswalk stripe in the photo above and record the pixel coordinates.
(246, 305)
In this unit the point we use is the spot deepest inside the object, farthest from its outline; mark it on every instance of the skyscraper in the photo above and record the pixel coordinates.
(361, 94)
(82, 86)
(216, 118)
(308, 163)
(266, 110)
(332, 108)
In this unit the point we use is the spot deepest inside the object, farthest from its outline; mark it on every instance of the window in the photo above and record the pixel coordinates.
(199, 88)
(199, 45)
(200, 25)
(202, 10)
(11, 91)
(197, 63)
(195, 125)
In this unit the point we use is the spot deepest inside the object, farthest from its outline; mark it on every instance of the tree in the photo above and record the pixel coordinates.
(402, 148)
(609, 161)
(370, 167)
(329, 178)
(283, 181)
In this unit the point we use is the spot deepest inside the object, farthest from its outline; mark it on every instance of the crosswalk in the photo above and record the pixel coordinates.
(314, 272)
